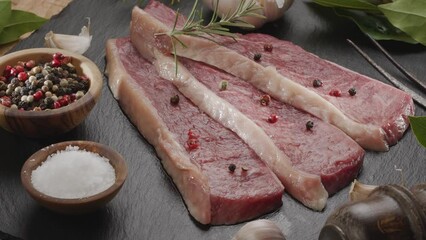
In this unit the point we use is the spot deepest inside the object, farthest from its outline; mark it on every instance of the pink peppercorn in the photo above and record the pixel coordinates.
(13, 72)
(22, 76)
(30, 64)
(335, 93)
(56, 63)
(273, 118)
(56, 105)
(58, 56)
(19, 69)
(38, 95)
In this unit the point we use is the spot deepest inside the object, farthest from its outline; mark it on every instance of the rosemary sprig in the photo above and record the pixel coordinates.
(194, 25)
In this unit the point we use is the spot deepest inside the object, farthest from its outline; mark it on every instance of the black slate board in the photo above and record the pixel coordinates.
(149, 206)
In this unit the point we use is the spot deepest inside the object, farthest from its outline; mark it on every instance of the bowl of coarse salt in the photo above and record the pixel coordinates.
(74, 177)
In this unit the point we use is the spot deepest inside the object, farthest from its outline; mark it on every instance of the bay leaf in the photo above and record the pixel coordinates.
(349, 4)
(5, 12)
(409, 16)
(418, 126)
(19, 23)
(378, 27)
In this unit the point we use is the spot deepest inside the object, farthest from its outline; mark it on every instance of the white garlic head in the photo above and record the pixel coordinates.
(271, 9)
(259, 230)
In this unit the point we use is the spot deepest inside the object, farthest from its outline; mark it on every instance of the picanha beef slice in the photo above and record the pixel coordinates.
(374, 102)
(390, 123)
(322, 150)
(198, 153)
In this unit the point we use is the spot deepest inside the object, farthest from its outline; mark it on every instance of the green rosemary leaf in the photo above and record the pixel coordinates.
(193, 27)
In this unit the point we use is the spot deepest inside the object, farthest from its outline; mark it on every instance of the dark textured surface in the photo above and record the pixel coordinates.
(149, 206)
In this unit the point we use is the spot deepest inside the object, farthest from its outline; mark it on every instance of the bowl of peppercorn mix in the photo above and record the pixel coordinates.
(46, 91)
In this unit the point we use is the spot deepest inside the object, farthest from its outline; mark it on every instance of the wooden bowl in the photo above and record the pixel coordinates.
(39, 124)
(74, 206)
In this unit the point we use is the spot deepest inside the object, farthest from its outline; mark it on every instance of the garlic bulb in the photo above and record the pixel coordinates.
(74, 43)
(259, 230)
(271, 9)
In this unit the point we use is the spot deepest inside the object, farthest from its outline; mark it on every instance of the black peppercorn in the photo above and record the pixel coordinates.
(174, 100)
(232, 167)
(257, 56)
(352, 91)
(39, 75)
(317, 83)
(309, 125)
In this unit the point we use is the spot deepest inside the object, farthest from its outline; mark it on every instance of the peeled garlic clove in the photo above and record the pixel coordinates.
(259, 230)
(360, 191)
(74, 43)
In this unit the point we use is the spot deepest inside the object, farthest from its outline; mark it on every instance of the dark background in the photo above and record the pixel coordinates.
(149, 206)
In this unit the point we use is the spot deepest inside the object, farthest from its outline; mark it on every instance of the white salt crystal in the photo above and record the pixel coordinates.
(73, 173)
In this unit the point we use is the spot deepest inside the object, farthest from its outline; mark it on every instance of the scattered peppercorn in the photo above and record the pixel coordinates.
(268, 47)
(35, 86)
(174, 100)
(257, 57)
(192, 142)
(265, 100)
(317, 83)
(352, 91)
(309, 125)
(223, 85)
(335, 93)
(273, 118)
(244, 168)
(232, 167)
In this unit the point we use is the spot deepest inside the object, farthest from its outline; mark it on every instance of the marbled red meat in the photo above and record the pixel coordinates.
(374, 103)
(324, 150)
(213, 194)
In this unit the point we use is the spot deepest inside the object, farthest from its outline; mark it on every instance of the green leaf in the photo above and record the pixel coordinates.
(418, 126)
(409, 16)
(378, 27)
(20, 22)
(5, 12)
(349, 4)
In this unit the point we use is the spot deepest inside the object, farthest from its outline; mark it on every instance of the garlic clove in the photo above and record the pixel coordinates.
(74, 43)
(359, 191)
(259, 230)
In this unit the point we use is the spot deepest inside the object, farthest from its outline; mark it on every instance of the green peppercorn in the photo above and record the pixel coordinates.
(49, 102)
(79, 94)
(63, 83)
(30, 98)
(54, 88)
(223, 85)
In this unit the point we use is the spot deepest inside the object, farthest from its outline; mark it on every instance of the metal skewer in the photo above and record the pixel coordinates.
(397, 65)
(419, 99)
